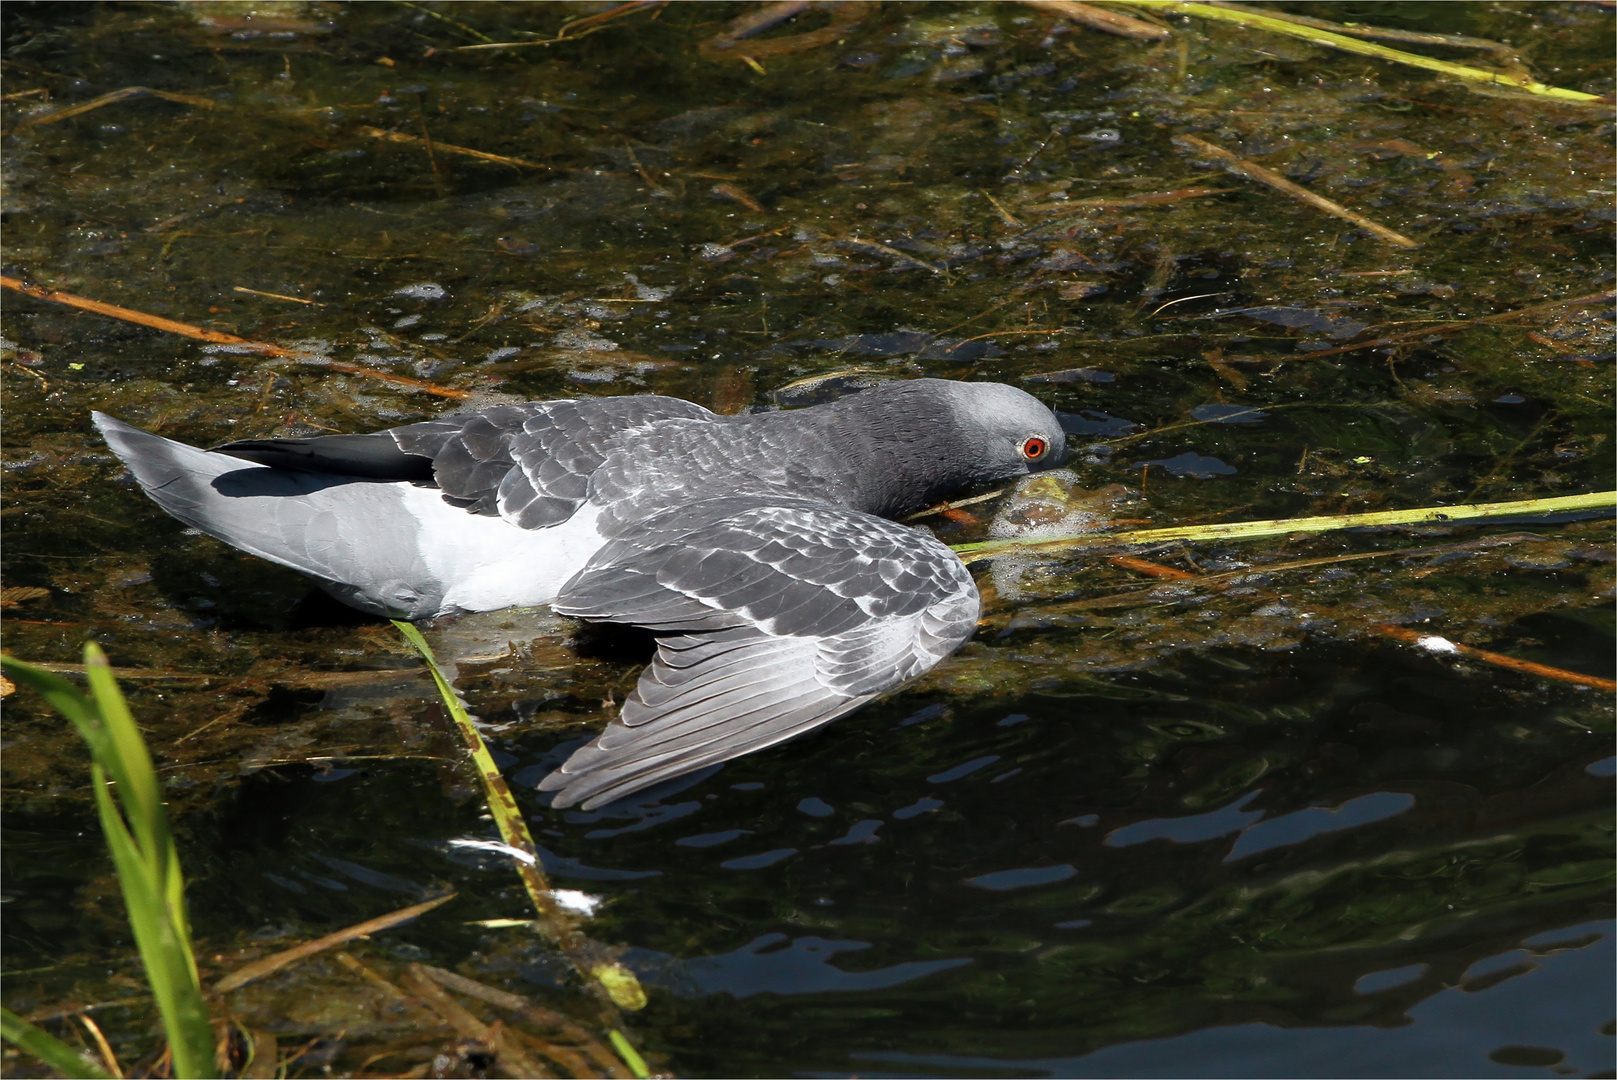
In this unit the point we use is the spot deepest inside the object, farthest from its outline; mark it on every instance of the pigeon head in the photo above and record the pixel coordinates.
(922, 439)
(1010, 432)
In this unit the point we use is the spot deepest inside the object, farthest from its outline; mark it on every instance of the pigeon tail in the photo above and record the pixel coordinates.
(356, 537)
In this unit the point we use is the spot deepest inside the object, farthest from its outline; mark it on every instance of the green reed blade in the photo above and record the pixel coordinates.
(130, 806)
(1257, 530)
(139, 790)
(47, 1048)
(617, 982)
(629, 1054)
(1259, 21)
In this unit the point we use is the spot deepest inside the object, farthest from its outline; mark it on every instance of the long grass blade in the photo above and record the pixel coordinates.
(1260, 21)
(48, 1048)
(168, 968)
(611, 979)
(1257, 530)
(138, 789)
(628, 1053)
(130, 806)
(616, 981)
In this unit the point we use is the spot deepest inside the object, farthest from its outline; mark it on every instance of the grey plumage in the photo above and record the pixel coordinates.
(756, 546)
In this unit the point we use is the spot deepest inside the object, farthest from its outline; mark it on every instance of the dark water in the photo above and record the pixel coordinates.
(1133, 828)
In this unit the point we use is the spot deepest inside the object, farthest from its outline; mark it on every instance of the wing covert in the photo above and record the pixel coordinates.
(531, 463)
(779, 618)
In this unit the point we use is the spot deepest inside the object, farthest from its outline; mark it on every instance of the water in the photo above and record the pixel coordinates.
(1134, 828)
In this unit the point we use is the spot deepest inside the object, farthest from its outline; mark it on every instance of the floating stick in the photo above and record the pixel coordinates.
(156, 322)
(1098, 19)
(1436, 644)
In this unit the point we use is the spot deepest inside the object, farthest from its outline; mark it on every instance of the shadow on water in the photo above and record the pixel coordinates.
(1136, 827)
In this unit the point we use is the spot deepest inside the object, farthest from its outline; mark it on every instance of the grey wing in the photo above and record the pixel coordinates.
(531, 463)
(779, 618)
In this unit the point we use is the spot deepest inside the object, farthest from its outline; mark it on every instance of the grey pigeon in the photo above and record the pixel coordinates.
(757, 546)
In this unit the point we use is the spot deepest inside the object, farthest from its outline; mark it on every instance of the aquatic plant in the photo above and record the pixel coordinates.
(611, 981)
(129, 801)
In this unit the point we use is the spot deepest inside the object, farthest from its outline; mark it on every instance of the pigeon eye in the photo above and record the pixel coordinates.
(1034, 448)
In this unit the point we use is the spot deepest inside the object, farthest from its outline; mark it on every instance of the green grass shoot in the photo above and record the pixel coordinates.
(48, 1048)
(129, 800)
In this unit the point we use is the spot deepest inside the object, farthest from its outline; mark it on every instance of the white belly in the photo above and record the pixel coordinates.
(487, 563)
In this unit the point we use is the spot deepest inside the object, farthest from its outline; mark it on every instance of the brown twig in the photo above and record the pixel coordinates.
(1462, 324)
(1431, 642)
(1010, 333)
(604, 1059)
(397, 380)
(432, 159)
(1149, 568)
(271, 964)
(1010, 218)
(735, 194)
(892, 253)
(450, 148)
(645, 174)
(102, 1045)
(139, 317)
(1127, 201)
(844, 17)
(512, 1058)
(1437, 644)
(590, 23)
(125, 94)
(276, 296)
(1241, 167)
(1149, 597)
(1097, 19)
(732, 245)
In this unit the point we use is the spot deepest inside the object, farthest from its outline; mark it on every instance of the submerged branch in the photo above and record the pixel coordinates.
(218, 337)
(1100, 19)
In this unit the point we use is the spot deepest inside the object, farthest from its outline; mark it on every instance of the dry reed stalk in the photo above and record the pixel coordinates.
(1241, 167)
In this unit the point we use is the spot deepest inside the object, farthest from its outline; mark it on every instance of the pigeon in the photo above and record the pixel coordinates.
(758, 548)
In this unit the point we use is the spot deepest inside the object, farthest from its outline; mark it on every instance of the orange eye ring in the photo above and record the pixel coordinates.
(1034, 448)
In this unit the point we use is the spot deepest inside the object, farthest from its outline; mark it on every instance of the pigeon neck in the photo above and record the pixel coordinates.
(906, 454)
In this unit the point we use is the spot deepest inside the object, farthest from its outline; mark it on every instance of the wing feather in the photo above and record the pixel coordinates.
(531, 463)
(778, 618)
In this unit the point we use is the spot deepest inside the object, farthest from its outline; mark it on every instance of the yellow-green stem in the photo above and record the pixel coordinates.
(1255, 530)
(617, 982)
(1259, 21)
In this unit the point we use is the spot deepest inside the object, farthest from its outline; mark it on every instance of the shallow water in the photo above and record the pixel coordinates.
(1135, 827)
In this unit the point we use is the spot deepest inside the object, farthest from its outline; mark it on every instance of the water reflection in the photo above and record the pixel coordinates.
(776, 964)
(1545, 1020)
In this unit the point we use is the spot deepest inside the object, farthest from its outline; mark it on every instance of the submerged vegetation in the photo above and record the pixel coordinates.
(1209, 788)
